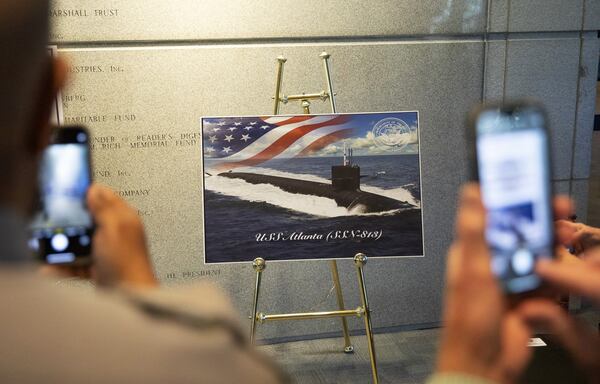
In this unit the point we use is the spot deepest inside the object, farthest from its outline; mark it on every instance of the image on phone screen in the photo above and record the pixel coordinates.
(513, 166)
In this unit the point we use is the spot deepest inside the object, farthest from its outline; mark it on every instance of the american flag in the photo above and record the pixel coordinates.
(248, 141)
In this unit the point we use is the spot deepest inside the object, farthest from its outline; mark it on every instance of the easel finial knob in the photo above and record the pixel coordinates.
(324, 55)
(360, 259)
(281, 59)
(259, 264)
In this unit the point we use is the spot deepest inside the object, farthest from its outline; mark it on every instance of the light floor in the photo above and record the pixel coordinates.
(402, 357)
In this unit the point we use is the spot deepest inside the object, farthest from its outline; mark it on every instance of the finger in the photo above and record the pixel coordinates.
(576, 277)
(587, 237)
(470, 227)
(563, 207)
(580, 341)
(566, 231)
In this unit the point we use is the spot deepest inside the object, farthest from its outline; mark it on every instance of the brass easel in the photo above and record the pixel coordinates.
(360, 259)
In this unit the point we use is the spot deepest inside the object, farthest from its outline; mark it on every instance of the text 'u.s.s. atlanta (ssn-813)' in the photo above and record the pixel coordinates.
(329, 236)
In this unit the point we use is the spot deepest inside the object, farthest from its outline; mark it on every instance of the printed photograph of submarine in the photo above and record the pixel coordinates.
(344, 188)
(318, 198)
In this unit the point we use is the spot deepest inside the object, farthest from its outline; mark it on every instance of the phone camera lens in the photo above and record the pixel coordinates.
(81, 137)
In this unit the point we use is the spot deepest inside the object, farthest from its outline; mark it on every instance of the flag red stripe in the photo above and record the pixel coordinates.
(283, 143)
(324, 141)
(294, 119)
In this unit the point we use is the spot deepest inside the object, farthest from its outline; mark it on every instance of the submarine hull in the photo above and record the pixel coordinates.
(364, 202)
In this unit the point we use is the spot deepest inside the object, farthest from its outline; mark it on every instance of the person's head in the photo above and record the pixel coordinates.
(29, 80)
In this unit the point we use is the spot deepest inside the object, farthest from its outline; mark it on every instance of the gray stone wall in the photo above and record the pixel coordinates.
(149, 67)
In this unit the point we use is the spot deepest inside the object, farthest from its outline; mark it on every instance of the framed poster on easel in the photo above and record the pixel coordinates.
(306, 187)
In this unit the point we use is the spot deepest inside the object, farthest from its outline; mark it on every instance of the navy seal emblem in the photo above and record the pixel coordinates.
(394, 132)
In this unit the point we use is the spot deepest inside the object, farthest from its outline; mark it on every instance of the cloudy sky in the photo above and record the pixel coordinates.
(365, 143)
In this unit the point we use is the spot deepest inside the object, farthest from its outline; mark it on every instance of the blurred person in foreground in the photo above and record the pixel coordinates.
(128, 333)
(485, 335)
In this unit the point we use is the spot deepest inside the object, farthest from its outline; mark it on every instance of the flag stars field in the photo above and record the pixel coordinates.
(277, 136)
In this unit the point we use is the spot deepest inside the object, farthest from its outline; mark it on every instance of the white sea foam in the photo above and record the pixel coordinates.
(312, 205)
(309, 204)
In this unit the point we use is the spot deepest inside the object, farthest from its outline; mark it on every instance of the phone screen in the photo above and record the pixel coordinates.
(513, 166)
(61, 229)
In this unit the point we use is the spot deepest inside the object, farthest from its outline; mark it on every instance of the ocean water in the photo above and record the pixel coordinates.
(244, 221)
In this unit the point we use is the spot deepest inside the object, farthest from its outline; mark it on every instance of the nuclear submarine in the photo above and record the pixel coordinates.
(344, 188)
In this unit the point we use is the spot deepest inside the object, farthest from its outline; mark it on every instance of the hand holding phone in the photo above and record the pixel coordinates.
(511, 160)
(61, 230)
(120, 252)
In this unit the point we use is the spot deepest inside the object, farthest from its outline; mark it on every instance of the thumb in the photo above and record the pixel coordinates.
(470, 223)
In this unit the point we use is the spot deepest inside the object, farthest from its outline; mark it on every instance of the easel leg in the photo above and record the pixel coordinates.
(348, 348)
(259, 266)
(360, 260)
(280, 62)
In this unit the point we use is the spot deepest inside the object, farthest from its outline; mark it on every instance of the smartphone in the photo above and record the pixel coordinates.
(62, 227)
(511, 158)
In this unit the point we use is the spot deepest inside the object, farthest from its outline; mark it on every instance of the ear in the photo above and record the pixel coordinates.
(41, 129)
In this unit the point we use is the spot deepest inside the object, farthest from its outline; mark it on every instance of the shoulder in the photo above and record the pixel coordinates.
(55, 333)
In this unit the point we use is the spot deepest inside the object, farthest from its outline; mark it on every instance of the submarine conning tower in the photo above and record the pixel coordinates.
(346, 177)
